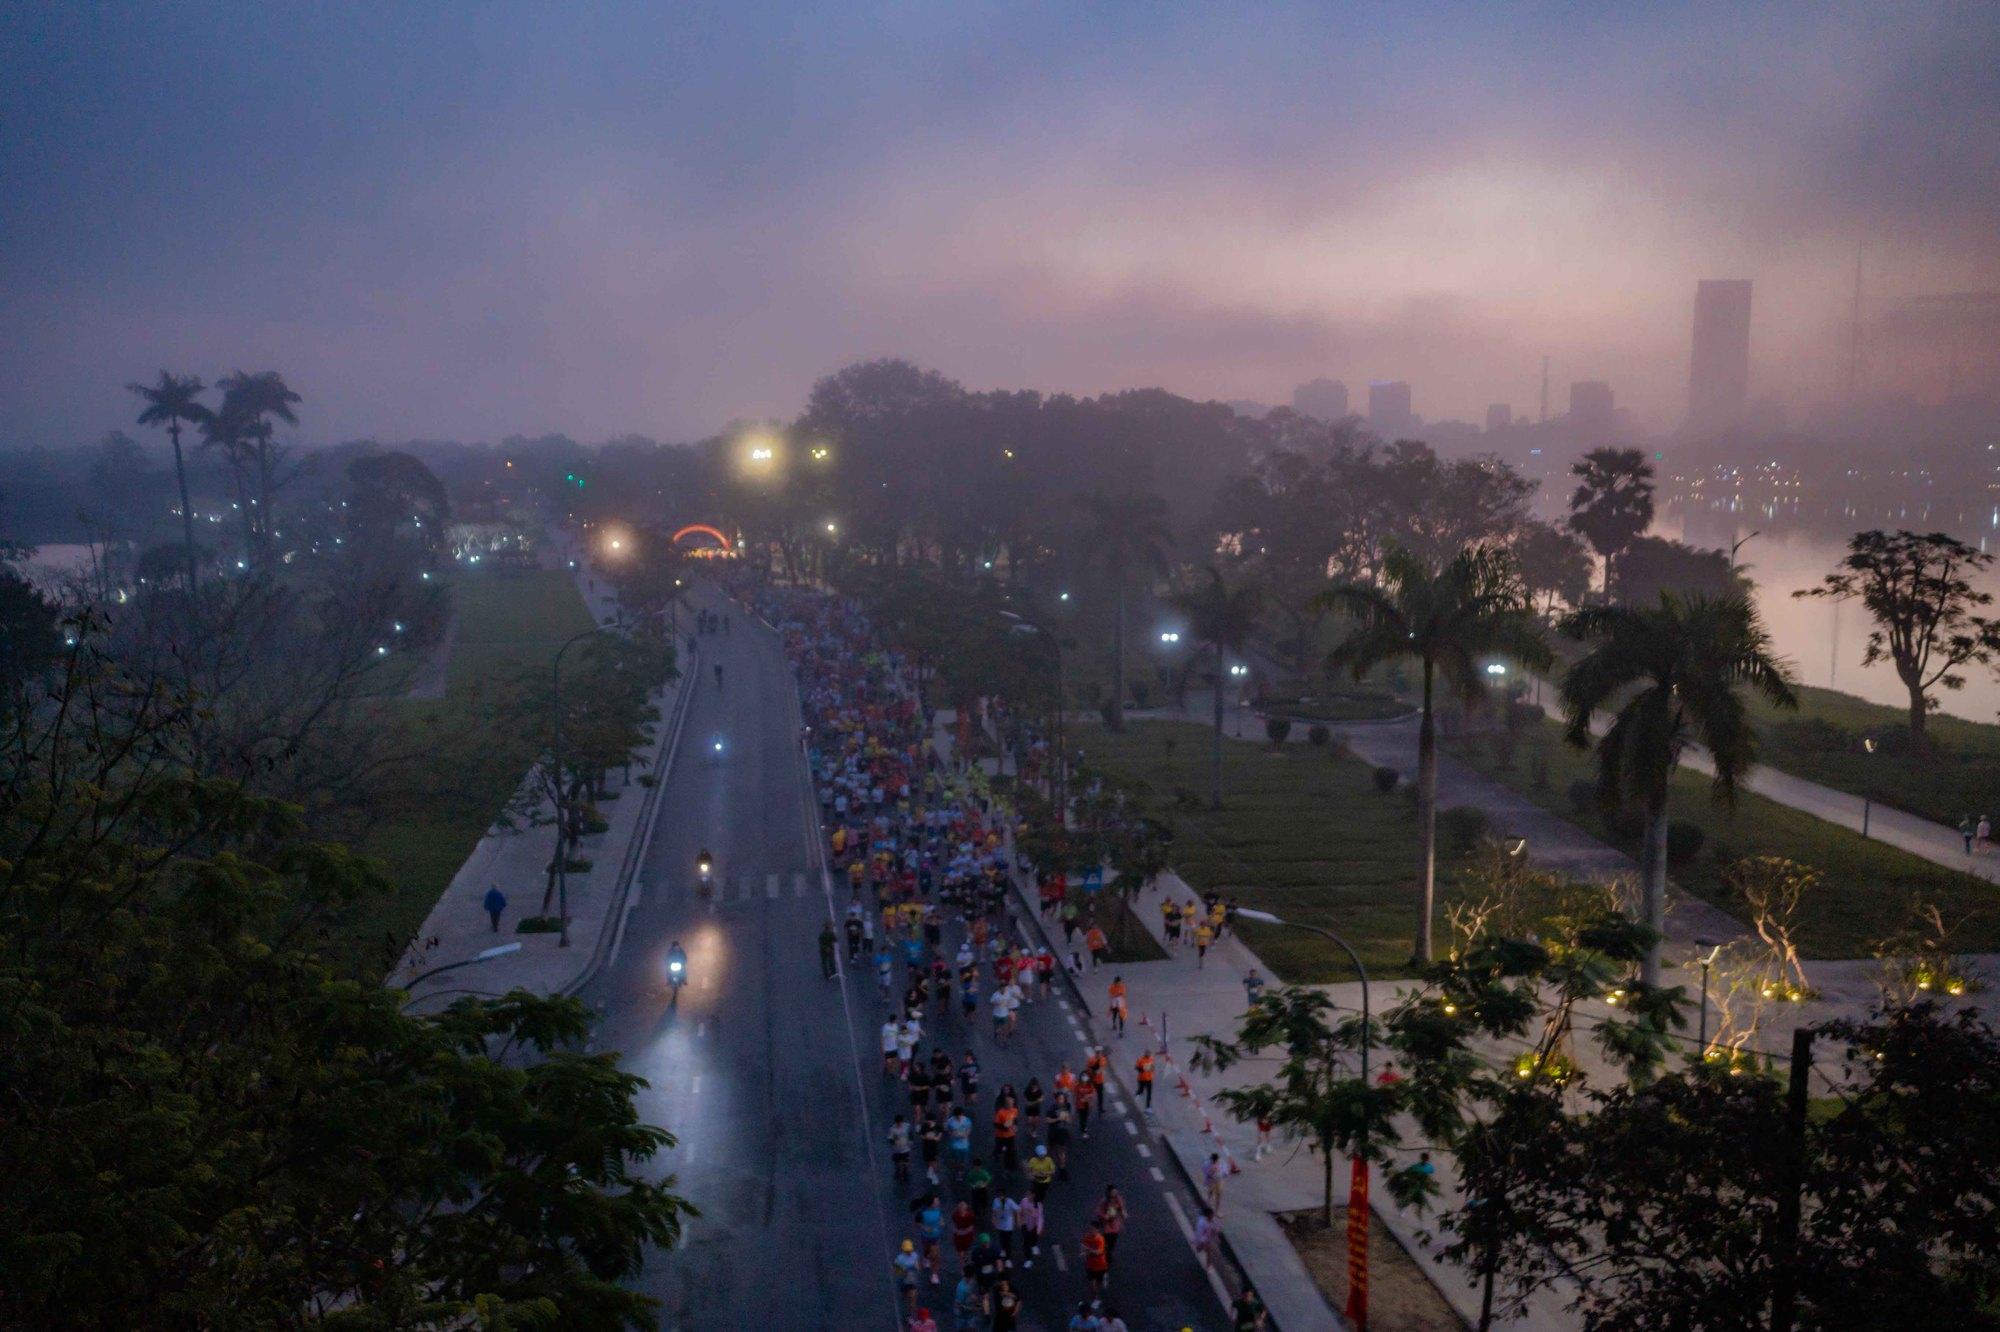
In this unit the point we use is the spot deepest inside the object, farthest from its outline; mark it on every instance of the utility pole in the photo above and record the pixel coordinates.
(1854, 330)
(1545, 390)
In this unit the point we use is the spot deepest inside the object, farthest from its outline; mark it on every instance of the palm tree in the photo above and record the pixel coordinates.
(1223, 618)
(1125, 532)
(1613, 502)
(227, 432)
(252, 403)
(174, 401)
(1454, 621)
(1674, 671)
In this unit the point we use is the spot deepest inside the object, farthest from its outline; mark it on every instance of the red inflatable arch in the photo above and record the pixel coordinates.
(702, 527)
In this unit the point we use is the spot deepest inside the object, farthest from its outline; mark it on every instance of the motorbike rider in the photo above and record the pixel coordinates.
(677, 961)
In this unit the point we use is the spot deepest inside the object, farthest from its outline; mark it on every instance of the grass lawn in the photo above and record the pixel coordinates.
(1822, 742)
(432, 813)
(1868, 885)
(1303, 834)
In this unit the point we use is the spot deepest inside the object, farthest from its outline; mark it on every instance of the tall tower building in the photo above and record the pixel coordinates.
(1719, 377)
(1323, 399)
(1590, 406)
(1389, 413)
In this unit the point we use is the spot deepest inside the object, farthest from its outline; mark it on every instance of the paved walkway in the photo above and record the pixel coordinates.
(515, 859)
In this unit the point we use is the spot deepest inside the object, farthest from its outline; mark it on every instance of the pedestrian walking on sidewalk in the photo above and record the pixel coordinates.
(1213, 1172)
(495, 903)
(1207, 1230)
(1967, 829)
(1253, 988)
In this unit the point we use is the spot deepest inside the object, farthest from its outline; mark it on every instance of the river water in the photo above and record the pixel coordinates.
(1825, 640)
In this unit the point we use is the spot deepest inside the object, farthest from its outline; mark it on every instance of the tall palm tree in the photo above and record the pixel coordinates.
(1454, 621)
(253, 402)
(1675, 671)
(173, 402)
(1222, 618)
(1125, 533)
(227, 432)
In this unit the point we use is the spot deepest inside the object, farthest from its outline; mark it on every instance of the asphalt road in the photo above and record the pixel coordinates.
(769, 1074)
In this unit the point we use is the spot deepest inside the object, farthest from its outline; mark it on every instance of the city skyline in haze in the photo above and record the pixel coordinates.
(463, 221)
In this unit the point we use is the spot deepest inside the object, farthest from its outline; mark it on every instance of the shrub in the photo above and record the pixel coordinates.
(1277, 728)
(538, 925)
(1386, 779)
(1815, 735)
(1582, 796)
(1141, 691)
(1626, 823)
(647, 779)
(1318, 735)
(1538, 768)
(1104, 711)
(1462, 826)
(1683, 841)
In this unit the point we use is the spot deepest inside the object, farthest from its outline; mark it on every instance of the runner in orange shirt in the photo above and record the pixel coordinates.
(1145, 1071)
(1004, 1121)
(1118, 1004)
(1097, 944)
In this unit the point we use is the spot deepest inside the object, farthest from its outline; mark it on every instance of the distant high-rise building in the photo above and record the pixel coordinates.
(1323, 399)
(1389, 413)
(1719, 377)
(1499, 416)
(1590, 405)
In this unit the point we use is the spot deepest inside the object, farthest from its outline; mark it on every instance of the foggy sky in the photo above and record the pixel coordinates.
(462, 220)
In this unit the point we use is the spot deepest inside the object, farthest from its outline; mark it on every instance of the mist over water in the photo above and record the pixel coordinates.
(1825, 640)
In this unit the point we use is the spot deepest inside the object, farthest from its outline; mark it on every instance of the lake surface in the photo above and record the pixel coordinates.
(1824, 640)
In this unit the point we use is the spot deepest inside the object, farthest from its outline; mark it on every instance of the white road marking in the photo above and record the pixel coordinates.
(1056, 1252)
(770, 885)
(1131, 1128)
(695, 1086)
(1180, 1217)
(1144, 1151)
(798, 884)
(700, 1028)
(1160, 1177)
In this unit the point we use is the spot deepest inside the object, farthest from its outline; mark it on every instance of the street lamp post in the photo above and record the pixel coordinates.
(562, 797)
(1867, 744)
(1714, 948)
(1056, 770)
(485, 955)
(1357, 1231)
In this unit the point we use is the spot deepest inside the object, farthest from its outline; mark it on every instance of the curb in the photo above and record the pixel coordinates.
(628, 868)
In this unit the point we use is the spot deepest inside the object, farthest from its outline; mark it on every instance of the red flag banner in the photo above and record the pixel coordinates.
(1357, 1246)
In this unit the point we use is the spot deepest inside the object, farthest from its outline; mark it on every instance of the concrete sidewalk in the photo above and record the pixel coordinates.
(516, 859)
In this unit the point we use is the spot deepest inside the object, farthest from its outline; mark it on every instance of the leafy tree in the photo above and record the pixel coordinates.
(1313, 1095)
(1555, 566)
(1919, 592)
(1124, 534)
(1675, 672)
(1222, 619)
(175, 401)
(1453, 620)
(209, 1126)
(1612, 503)
(30, 635)
(1666, 1201)
(1652, 565)
(397, 504)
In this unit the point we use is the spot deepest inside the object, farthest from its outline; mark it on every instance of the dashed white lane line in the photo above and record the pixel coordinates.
(700, 1028)
(1159, 1177)
(770, 885)
(1144, 1151)
(1131, 1128)
(695, 1086)
(1056, 1252)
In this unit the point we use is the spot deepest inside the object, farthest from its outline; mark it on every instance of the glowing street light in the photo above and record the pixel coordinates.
(762, 453)
(1239, 670)
(1169, 637)
(1495, 668)
(1062, 596)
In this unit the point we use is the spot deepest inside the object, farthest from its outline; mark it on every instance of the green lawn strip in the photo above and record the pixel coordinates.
(1868, 886)
(1303, 834)
(1961, 777)
(432, 813)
